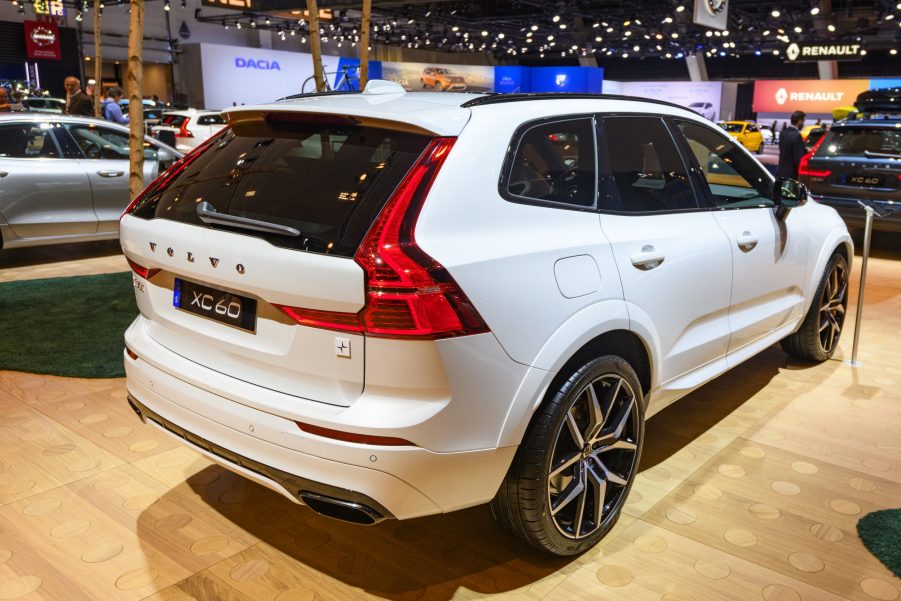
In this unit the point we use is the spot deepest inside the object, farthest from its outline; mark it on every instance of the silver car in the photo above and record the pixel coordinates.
(65, 179)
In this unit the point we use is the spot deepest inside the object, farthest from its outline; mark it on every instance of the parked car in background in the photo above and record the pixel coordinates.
(814, 136)
(441, 79)
(187, 129)
(857, 160)
(746, 133)
(767, 132)
(705, 109)
(65, 179)
(44, 104)
(459, 303)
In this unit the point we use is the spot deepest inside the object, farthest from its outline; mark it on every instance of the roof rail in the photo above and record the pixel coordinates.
(501, 98)
(316, 94)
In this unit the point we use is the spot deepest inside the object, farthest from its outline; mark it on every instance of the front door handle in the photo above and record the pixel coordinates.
(4, 173)
(746, 241)
(110, 173)
(647, 259)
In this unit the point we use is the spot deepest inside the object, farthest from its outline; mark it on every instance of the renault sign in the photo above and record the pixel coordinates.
(811, 96)
(823, 52)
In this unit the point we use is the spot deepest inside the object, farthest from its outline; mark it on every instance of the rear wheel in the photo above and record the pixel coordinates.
(574, 469)
(760, 148)
(817, 338)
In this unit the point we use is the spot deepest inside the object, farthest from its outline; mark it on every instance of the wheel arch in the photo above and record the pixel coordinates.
(838, 241)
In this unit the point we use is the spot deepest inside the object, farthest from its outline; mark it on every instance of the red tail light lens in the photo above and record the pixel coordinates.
(804, 165)
(409, 294)
(142, 271)
(183, 131)
(384, 441)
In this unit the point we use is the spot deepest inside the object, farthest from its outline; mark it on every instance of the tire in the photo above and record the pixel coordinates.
(760, 148)
(818, 336)
(543, 508)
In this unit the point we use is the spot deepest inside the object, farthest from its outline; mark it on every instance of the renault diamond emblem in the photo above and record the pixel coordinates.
(793, 51)
(214, 262)
(153, 247)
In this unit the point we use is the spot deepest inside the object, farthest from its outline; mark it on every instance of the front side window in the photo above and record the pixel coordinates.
(643, 172)
(102, 143)
(27, 140)
(735, 179)
(554, 162)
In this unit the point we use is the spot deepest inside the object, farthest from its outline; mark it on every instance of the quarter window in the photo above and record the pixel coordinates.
(643, 172)
(210, 120)
(555, 162)
(26, 140)
(735, 179)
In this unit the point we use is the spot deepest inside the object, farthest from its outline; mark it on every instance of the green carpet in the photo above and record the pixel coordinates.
(880, 531)
(66, 326)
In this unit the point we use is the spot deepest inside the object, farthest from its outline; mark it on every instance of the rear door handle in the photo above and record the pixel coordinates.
(110, 173)
(746, 241)
(647, 259)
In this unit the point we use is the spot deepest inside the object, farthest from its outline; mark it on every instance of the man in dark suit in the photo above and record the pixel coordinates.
(77, 102)
(791, 147)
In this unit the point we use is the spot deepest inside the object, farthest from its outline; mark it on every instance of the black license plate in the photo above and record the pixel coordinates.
(864, 180)
(218, 305)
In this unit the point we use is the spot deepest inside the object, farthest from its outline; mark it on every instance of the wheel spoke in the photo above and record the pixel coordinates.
(597, 414)
(580, 512)
(572, 490)
(566, 463)
(574, 429)
(619, 445)
(599, 486)
(609, 476)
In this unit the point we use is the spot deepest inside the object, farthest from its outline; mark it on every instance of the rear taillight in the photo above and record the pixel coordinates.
(183, 131)
(142, 271)
(804, 165)
(408, 293)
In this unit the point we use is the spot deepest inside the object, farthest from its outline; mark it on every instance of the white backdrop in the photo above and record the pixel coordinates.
(684, 93)
(234, 75)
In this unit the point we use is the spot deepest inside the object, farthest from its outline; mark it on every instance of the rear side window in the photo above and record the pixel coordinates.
(553, 162)
(329, 181)
(174, 120)
(27, 140)
(861, 141)
(211, 120)
(644, 172)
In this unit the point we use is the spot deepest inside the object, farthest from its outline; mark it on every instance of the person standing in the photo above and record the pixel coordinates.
(77, 102)
(4, 101)
(791, 147)
(775, 134)
(110, 108)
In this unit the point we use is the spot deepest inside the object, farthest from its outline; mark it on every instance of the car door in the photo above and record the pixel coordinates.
(42, 194)
(769, 255)
(105, 153)
(673, 258)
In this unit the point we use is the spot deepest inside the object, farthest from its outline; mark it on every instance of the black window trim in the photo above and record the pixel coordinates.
(697, 171)
(513, 148)
(679, 149)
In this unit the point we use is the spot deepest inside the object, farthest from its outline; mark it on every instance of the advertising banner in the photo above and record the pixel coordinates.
(233, 75)
(566, 79)
(347, 76)
(811, 96)
(823, 52)
(438, 77)
(511, 80)
(703, 97)
(42, 40)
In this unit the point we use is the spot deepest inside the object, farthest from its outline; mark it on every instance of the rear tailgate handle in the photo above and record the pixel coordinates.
(110, 173)
(208, 214)
(647, 259)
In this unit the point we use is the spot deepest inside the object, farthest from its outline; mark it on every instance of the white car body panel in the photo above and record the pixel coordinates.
(545, 281)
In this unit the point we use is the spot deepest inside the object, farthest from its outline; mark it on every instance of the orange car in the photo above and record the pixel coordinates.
(442, 80)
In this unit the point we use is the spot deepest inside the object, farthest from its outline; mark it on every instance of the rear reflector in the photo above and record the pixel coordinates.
(142, 271)
(131, 353)
(383, 441)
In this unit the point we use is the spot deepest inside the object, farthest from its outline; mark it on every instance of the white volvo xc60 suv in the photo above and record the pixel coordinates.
(390, 305)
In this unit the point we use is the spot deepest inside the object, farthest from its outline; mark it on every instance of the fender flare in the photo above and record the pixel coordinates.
(836, 238)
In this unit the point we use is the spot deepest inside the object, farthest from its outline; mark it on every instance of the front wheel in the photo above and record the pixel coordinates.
(760, 148)
(817, 338)
(573, 471)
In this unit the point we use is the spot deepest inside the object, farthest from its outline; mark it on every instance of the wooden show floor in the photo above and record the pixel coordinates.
(750, 489)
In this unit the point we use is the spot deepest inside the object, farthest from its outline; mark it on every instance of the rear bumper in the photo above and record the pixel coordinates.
(401, 481)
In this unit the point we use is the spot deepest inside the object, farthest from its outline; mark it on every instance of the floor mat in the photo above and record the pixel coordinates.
(880, 531)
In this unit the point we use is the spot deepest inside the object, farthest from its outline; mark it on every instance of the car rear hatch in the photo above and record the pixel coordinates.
(263, 218)
(856, 162)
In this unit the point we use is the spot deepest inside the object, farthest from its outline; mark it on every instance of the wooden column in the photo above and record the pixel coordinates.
(364, 43)
(313, 9)
(135, 91)
(98, 61)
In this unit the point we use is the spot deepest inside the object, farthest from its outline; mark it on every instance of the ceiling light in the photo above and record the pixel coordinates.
(596, 25)
(636, 48)
(893, 51)
(598, 39)
(556, 19)
(680, 8)
(798, 29)
(709, 34)
(776, 14)
(550, 38)
(674, 35)
(889, 17)
(626, 23)
(501, 36)
(534, 28)
(628, 33)
(484, 33)
(609, 30)
(830, 27)
(863, 53)
(668, 20)
(766, 32)
(815, 10)
(562, 25)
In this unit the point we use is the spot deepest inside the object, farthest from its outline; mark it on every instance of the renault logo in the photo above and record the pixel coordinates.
(793, 51)
(781, 96)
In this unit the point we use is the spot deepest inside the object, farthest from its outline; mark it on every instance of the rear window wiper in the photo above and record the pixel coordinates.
(881, 155)
(209, 215)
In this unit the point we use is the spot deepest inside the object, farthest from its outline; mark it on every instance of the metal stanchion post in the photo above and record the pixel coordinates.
(867, 233)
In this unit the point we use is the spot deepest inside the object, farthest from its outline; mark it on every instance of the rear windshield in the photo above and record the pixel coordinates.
(861, 141)
(733, 128)
(174, 120)
(327, 181)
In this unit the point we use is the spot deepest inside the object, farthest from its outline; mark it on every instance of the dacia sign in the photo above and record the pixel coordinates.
(823, 52)
(261, 64)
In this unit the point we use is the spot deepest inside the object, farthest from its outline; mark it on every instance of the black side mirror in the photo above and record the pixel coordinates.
(788, 194)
